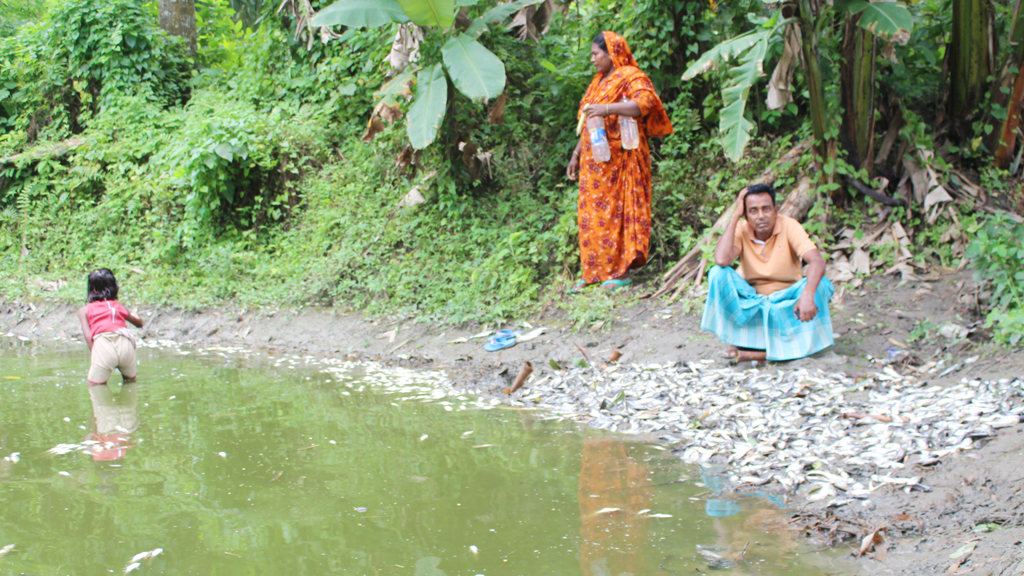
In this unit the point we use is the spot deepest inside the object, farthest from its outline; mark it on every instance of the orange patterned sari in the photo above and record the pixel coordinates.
(615, 196)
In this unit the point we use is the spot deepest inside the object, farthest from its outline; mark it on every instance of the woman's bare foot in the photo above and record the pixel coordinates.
(758, 356)
(731, 352)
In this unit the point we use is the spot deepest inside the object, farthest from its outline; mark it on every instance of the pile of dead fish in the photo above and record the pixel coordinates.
(828, 431)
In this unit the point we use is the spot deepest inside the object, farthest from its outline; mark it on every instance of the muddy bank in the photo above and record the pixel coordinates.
(925, 330)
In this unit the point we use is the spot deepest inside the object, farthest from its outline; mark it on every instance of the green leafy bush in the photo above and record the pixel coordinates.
(997, 256)
(60, 71)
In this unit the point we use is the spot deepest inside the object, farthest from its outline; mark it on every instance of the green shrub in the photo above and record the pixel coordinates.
(997, 256)
(60, 71)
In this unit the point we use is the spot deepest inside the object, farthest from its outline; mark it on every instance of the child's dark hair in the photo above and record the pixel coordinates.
(102, 285)
(758, 189)
(599, 40)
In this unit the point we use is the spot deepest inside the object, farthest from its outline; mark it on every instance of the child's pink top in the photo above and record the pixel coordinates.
(105, 316)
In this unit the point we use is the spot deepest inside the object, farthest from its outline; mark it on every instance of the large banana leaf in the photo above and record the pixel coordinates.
(748, 50)
(884, 19)
(476, 71)
(497, 14)
(428, 110)
(361, 13)
(439, 13)
(732, 124)
(724, 52)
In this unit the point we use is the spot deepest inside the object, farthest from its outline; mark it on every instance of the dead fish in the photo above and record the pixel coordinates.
(715, 562)
(6, 549)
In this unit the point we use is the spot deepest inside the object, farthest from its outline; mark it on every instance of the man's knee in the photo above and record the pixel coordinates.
(719, 274)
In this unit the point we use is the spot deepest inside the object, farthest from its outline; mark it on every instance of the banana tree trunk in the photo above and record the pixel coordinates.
(178, 18)
(1014, 69)
(857, 94)
(969, 64)
(814, 84)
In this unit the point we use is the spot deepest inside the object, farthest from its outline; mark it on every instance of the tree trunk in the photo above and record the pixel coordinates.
(857, 94)
(178, 18)
(1014, 72)
(812, 69)
(969, 63)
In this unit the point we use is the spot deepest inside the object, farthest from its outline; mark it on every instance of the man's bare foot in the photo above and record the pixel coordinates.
(731, 352)
(758, 356)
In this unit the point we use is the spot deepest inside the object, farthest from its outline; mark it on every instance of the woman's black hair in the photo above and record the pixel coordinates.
(102, 285)
(758, 189)
(599, 40)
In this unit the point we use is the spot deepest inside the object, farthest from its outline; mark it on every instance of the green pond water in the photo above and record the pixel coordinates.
(236, 464)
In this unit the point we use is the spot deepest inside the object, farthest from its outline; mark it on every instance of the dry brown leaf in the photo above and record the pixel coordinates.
(405, 49)
(780, 87)
(938, 195)
(373, 127)
(380, 113)
(918, 177)
(532, 21)
(468, 150)
(840, 272)
(888, 52)
(407, 157)
(413, 198)
(496, 115)
(869, 541)
(861, 261)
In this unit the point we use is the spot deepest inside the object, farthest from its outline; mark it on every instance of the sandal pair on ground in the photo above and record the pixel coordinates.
(609, 285)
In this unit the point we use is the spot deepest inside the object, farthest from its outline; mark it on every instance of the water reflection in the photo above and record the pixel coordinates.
(261, 470)
(614, 489)
(115, 417)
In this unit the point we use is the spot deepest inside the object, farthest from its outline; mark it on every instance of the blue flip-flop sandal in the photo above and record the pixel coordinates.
(578, 287)
(501, 340)
(616, 284)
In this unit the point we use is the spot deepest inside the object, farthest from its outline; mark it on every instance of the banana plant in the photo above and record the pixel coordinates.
(747, 51)
(473, 69)
(746, 55)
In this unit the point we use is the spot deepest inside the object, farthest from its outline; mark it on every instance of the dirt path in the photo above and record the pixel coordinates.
(927, 324)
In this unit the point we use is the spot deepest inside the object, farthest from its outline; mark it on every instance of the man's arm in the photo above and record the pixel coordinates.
(725, 250)
(805, 308)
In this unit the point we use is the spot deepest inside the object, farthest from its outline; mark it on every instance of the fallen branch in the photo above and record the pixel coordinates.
(875, 195)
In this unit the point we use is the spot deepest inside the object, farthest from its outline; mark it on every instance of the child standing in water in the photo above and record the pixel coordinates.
(110, 342)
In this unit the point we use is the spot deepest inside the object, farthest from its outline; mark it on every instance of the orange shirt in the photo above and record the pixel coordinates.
(776, 264)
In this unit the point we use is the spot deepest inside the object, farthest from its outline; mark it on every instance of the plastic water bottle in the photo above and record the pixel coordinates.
(598, 139)
(628, 132)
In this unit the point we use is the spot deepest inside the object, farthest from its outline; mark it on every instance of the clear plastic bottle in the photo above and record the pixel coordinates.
(598, 139)
(629, 133)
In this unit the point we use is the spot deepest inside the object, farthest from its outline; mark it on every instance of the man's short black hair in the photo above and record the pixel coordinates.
(758, 189)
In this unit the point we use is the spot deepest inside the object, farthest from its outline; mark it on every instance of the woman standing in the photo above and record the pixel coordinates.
(615, 196)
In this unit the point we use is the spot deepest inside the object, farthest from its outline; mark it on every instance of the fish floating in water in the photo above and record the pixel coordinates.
(826, 435)
(137, 560)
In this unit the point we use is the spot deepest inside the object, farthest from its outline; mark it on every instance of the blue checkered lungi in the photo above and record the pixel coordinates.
(739, 316)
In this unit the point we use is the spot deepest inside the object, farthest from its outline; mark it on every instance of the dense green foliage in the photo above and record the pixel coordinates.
(997, 254)
(241, 175)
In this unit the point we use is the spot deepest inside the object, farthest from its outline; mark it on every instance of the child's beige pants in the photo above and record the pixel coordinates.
(111, 350)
